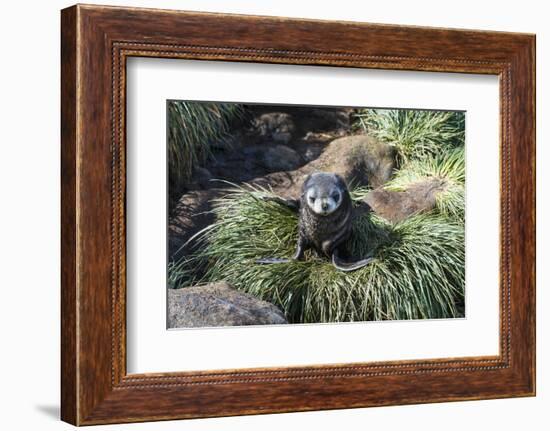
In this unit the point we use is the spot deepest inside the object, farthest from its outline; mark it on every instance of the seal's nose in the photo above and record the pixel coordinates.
(324, 206)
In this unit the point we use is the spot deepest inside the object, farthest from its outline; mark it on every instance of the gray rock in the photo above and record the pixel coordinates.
(281, 158)
(275, 126)
(218, 304)
(200, 179)
(332, 118)
(311, 153)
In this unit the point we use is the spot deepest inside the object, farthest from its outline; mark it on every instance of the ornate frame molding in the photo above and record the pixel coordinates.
(96, 41)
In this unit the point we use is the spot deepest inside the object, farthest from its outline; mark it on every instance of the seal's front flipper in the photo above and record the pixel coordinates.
(271, 260)
(342, 265)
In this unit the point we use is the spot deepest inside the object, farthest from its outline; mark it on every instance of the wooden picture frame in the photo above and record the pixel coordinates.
(95, 43)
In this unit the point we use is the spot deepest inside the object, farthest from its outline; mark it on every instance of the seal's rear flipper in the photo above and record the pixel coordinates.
(270, 260)
(342, 265)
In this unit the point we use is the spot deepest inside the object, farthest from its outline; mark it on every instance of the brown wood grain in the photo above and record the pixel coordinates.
(96, 41)
(68, 217)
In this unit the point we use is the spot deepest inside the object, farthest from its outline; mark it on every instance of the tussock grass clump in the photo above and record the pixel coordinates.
(449, 168)
(415, 134)
(418, 271)
(193, 127)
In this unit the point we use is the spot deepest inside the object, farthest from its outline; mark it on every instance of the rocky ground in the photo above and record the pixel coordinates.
(277, 147)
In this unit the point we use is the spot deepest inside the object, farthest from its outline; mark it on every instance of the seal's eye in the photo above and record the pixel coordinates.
(336, 197)
(311, 199)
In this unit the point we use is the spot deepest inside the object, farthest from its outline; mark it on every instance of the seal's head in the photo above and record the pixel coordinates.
(324, 192)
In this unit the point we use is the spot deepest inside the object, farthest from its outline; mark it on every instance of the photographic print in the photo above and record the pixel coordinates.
(286, 216)
(290, 214)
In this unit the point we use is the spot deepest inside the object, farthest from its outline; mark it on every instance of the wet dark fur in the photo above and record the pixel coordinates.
(324, 234)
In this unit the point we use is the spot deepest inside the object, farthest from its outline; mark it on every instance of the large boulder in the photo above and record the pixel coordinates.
(361, 160)
(396, 206)
(281, 158)
(218, 304)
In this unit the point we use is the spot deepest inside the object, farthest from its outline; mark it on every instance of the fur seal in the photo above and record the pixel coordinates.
(325, 214)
